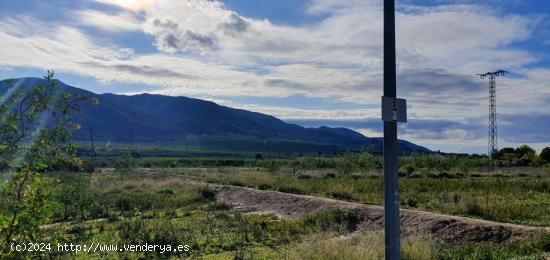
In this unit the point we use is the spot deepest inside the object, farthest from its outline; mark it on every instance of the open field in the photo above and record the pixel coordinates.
(261, 206)
(170, 210)
(505, 197)
(155, 207)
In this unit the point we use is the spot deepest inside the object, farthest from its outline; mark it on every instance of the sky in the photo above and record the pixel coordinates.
(310, 62)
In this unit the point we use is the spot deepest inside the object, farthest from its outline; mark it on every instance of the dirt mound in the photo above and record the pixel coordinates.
(447, 229)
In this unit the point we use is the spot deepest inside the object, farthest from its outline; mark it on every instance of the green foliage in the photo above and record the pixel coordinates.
(524, 151)
(72, 190)
(162, 209)
(520, 156)
(545, 155)
(125, 165)
(290, 189)
(435, 163)
(507, 153)
(27, 149)
(340, 220)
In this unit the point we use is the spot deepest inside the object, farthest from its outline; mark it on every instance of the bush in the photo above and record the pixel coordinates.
(290, 189)
(446, 175)
(303, 177)
(340, 220)
(408, 169)
(219, 206)
(341, 195)
(330, 175)
(89, 167)
(166, 192)
(207, 194)
(545, 155)
(236, 183)
(473, 208)
(411, 202)
(414, 176)
(264, 186)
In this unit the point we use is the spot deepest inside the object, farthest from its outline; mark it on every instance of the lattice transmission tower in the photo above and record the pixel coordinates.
(493, 142)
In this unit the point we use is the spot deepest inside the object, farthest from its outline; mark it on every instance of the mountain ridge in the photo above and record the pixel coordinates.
(152, 118)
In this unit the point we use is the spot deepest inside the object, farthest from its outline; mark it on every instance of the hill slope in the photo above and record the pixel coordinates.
(154, 118)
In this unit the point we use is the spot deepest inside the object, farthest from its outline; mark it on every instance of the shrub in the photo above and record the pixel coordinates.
(207, 194)
(264, 186)
(236, 183)
(414, 176)
(408, 169)
(290, 189)
(545, 155)
(446, 175)
(219, 206)
(340, 220)
(473, 208)
(342, 195)
(166, 192)
(303, 177)
(411, 202)
(330, 175)
(125, 164)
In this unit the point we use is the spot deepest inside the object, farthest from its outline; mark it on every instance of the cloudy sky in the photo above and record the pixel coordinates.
(310, 62)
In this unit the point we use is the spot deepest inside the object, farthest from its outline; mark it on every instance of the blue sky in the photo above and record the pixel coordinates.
(311, 62)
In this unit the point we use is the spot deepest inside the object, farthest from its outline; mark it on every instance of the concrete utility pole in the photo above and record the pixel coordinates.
(492, 142)
(393, 111)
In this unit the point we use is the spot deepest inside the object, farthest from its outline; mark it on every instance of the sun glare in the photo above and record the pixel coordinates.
(132, 5)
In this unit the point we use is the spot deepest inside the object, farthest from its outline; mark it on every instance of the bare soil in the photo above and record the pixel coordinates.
(445, 228)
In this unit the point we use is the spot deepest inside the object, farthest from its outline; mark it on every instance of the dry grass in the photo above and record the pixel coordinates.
(109, 181)
(365, 246)
(519, 200)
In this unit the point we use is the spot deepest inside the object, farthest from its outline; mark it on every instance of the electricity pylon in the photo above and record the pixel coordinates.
(493, 142)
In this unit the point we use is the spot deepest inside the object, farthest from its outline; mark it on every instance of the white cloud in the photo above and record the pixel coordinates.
(132, 5)
(207, 50)
(112, 23)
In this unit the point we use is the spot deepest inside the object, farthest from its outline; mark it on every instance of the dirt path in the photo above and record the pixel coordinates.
(448, 229)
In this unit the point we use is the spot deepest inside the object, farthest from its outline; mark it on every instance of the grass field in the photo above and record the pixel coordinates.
(163, 209)
(514, 198)
(132, 199)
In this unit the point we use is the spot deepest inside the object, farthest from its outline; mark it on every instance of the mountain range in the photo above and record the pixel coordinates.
(148, 118)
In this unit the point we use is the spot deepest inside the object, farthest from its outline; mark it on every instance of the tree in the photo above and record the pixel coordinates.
(507, 153)
(73, 192)
(545, 155)
(526, 154)
(35, 124)
(125, 164)
(524, 150)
